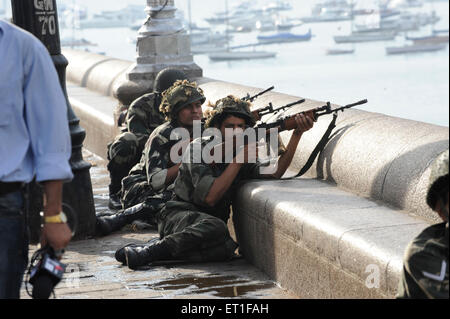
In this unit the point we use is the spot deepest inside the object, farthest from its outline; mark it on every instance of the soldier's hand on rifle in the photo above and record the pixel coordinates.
(305, 122)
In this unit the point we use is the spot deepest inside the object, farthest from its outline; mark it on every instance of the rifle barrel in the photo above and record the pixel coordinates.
(251, 98)
(330, 111)
(357, 103)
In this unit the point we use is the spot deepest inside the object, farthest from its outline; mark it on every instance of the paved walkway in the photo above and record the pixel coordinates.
(93, 272)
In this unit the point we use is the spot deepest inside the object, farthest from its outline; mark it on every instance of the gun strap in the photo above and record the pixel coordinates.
(319, 148)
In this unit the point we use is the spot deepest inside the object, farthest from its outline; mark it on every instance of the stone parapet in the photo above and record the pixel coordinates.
(322, 242)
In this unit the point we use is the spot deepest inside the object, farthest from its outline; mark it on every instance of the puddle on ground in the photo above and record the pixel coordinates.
(220, 286)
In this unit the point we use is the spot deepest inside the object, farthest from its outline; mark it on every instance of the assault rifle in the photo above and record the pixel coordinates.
(249, 98)
(288, 123)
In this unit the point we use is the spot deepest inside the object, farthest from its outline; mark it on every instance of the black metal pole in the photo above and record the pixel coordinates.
(40, 17)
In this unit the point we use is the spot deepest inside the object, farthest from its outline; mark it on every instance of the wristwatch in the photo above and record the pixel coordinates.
(61, 218)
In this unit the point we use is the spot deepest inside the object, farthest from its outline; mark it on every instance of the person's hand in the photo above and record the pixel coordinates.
(56, 235)
(305, 122)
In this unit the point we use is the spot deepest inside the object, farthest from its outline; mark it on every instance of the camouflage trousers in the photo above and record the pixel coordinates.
(195, 236)
(123, 153)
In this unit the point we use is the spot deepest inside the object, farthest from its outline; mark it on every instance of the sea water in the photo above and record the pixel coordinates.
(412, 86)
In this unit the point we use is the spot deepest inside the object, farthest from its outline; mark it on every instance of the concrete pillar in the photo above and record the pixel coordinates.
(162, 42)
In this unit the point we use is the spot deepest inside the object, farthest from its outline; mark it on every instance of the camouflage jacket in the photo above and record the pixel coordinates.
(155, 160)
(425, 268)
(196, 178)
(143, 117)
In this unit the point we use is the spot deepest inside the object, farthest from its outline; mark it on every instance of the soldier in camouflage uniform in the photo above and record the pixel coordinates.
(425, 269)
(148, 186)
(193, 226)
(143, 116)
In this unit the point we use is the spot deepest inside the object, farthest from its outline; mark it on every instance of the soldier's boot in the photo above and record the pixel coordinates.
(114, 194)
(143, 255)
(114, 201)
(120, 253)
(105, 225)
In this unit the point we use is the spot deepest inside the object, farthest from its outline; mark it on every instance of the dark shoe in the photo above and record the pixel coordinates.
(143, 255)
(107, 224)
(120, 253)
(114, 201)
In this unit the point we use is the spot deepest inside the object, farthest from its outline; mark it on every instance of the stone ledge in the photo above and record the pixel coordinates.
(316, 239)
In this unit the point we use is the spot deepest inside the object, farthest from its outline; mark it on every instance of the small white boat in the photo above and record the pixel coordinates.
(327, 18)
(284, 37)
(365, 37)
(339, 51)
(415, 48)
(241, 55)
(430, 39)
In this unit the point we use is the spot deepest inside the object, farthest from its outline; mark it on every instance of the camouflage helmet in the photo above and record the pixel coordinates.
(438, 184)
(166, 78)
(179, 95)
(229, 105)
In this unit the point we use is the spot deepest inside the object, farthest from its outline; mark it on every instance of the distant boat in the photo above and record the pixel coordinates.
(240, 29)
(285, 37)
(229, 55)
(428, 39)
(365, 37)
(416, 48)
(339, 51)
(440, 31)
(125, 17)
(284, 24)
(278, 6)
(241, 55)
(327, 18)
(208, 37)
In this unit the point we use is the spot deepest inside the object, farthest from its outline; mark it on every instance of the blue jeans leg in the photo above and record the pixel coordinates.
(13, 245)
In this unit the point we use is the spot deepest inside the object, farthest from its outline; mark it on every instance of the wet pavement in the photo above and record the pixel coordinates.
(93, 272)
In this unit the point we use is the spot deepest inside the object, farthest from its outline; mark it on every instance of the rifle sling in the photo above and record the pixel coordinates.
(319, 148)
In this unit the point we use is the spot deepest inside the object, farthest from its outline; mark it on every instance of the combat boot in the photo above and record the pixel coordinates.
(114, 189)
(120, 253)
(143, 255)
(114, 201)
(105, 225)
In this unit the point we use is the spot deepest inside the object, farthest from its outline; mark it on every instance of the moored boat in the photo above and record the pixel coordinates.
(416, 48)
(241, 55)
(339, 51)
(285, 37)
(365, 37)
